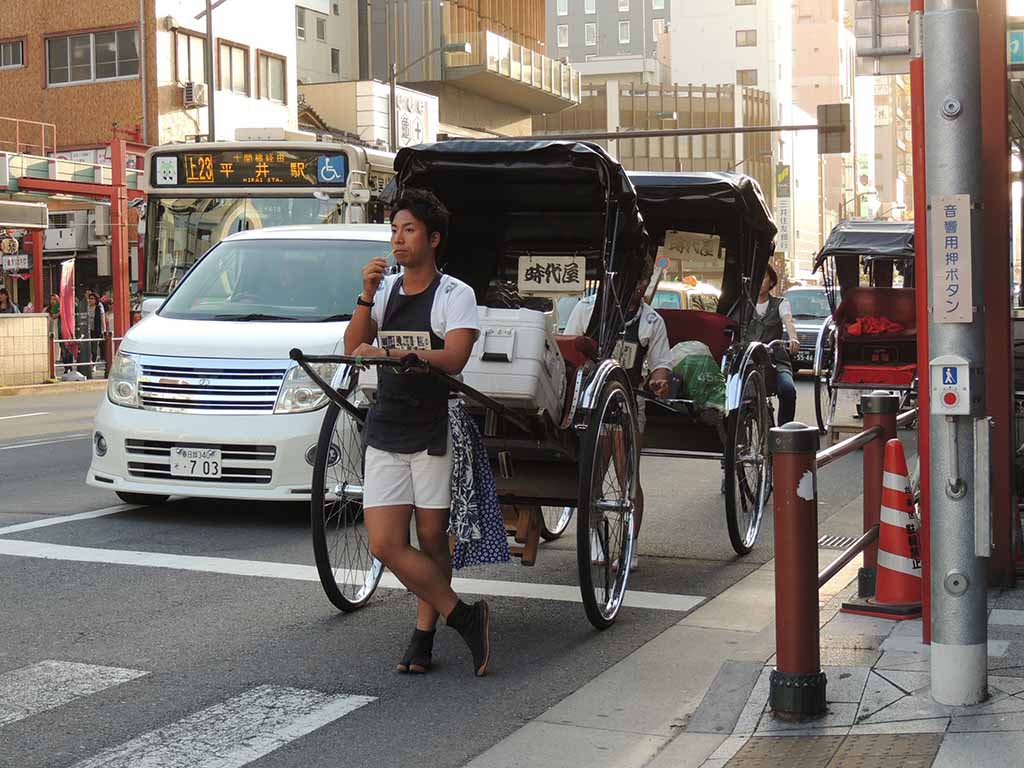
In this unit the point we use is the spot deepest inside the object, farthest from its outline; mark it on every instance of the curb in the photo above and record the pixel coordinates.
(61, 386)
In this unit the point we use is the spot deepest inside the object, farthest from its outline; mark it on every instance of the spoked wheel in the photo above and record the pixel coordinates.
(823, 381)
(747, 464)
(554, 521)
(609, 467)
(348, 572)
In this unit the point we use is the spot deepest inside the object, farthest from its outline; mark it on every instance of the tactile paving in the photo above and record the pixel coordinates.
(905, 750)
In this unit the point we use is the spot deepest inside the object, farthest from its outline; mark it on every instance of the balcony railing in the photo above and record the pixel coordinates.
(34, 167)
(501, 56)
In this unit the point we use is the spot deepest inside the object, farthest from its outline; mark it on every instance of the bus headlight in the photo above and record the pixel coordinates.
(300, 394)
(123, 381)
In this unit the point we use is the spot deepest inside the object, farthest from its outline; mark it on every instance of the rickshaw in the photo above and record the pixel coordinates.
(557, 414)
(731, 207)
(870, 341)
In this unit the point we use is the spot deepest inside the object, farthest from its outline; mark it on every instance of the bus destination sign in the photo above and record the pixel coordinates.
(241, 168)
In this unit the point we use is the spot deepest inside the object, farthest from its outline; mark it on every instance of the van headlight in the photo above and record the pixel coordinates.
(123, 381)
(300, 394)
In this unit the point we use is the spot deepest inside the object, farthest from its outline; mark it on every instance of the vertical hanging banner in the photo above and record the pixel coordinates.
(951, 265)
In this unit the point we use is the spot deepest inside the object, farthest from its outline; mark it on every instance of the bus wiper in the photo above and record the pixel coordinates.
(335, 318)
(255, 317)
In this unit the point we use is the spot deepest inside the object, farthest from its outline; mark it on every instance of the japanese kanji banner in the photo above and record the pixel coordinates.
(950, 256)
(546, 275)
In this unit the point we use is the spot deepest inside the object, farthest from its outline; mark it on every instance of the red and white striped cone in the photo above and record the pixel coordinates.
(898, 590)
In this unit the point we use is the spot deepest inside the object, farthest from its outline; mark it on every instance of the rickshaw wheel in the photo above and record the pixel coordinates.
(348, 572)
(609, 466)
(823, 382)
(554, 521)
(747, 464)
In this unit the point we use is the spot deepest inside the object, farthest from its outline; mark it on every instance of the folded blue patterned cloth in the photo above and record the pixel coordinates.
(475, 521)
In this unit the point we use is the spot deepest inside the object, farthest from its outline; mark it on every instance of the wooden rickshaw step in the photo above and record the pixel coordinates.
(522, 522)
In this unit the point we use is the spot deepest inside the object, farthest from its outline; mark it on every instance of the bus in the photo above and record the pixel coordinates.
(197, 194)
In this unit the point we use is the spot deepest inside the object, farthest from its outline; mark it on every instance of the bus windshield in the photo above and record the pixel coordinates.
(275, 280)
(180, 230)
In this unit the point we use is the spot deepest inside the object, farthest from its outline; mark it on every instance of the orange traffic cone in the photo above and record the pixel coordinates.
(898, 586)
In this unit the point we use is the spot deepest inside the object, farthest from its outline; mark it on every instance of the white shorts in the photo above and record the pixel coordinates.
(408, 479)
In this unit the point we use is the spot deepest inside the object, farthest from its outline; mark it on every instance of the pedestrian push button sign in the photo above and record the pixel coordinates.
(950, 386)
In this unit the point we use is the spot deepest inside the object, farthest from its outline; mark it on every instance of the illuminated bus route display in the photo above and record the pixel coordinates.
(242, 168)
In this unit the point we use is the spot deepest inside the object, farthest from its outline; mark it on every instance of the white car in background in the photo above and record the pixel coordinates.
(810, 311)
(202, 398)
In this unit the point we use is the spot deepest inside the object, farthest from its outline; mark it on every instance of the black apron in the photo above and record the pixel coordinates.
(767, 328)
(629, 351)
(411, 411)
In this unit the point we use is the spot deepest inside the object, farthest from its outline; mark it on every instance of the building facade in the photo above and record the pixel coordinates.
(893, 162)
(583, 30)
(326, 40)
(486, 62)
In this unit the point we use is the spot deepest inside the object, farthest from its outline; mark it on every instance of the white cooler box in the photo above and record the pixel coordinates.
(515, 361)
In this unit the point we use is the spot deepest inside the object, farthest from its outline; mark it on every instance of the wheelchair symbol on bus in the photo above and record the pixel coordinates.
(331, 169)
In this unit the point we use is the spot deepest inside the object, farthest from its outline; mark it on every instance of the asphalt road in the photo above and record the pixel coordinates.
(170, 630)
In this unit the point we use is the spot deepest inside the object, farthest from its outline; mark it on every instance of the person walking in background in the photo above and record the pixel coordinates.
(94, 326)
(7, 307)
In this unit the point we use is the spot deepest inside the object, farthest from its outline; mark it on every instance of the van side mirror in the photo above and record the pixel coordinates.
(149, 306)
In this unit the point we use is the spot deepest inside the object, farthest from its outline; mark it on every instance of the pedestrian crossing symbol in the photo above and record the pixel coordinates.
(949, 375)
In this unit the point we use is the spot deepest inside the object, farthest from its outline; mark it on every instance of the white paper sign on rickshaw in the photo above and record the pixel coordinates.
(698, 253)
(546, 275)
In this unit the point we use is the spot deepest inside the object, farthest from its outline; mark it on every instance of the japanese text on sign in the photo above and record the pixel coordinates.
(951, 264)
(542, 275)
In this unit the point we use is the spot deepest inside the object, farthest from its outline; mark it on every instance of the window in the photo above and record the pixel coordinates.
(321, 29)
(562, 7)
(300, 23)
(12, 54)
(590, 33)
(270, 77)
(658, 5)
(623, 31)
(660, 25)
(563, 35)
(746, 77)
(623, 5)
(746, 38)
(336, 9)
(590, 6)
(92, 56)
(335, 61)
(191, 57)
(234, 67)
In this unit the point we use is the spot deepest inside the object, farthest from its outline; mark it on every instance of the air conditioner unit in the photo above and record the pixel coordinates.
(194, 94)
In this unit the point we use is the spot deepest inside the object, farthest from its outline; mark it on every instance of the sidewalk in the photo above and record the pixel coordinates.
(696, 696)
(58, 386)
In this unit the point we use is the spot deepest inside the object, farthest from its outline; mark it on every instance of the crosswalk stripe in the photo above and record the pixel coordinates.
(46, 522)
(232, 733)
(660, 601)
(51, 684)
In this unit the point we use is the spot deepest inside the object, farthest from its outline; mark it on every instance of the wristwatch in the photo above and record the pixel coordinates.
(361, 303)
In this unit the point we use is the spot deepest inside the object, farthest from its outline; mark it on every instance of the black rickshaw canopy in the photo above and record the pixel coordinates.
(869, 239)
(513, 198)
(730, 205)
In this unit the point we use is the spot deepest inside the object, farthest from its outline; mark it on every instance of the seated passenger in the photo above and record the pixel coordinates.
(645, 340)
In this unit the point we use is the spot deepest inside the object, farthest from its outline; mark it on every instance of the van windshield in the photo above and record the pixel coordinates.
(306, 281)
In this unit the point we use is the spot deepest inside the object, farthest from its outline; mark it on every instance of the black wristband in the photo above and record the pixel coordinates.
(361, 303)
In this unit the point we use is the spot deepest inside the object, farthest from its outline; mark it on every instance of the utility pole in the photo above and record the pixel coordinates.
(211, 92)
(958, 430)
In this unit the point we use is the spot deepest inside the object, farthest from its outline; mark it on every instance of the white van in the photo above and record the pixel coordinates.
(202, 398)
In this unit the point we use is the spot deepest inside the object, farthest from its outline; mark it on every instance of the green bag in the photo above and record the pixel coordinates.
(702, 381)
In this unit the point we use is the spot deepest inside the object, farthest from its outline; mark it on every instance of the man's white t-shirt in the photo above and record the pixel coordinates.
(652, 332)
(454, 305)
(785, 311)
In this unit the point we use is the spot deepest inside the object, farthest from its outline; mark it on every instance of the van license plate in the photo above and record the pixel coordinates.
(195, 462)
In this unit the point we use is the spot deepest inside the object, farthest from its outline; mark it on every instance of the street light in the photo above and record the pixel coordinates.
(758, 156)
(393, 104)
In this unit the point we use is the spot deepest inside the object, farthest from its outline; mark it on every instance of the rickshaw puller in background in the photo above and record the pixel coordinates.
(771, 316)
(408, 463)
(645, 339)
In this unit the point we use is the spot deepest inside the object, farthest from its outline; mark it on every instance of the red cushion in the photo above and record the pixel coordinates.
(577, 350)
(697, 325)
(880, 375)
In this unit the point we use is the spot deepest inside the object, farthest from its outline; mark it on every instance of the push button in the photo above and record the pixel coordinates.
(950, 399)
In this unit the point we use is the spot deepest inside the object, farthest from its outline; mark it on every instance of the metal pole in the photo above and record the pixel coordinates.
(210, 91)
(952, 100)
(797, 687)
(393, 108)
(879, 408)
